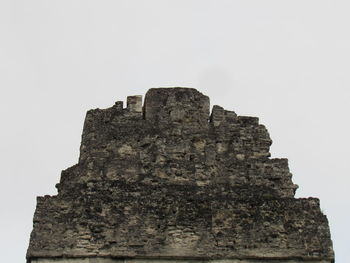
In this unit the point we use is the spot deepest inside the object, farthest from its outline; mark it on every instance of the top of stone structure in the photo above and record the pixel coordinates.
(177, 105)
(167, 179)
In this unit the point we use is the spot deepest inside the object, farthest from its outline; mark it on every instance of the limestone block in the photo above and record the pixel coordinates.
(134, 103)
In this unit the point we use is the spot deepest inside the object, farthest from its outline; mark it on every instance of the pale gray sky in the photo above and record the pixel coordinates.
(287, 62)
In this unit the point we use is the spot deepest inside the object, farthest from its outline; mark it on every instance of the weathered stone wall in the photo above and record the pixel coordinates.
(109, 260)
(168, 180)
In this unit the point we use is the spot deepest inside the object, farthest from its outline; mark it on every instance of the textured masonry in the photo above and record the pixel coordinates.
(169, 182)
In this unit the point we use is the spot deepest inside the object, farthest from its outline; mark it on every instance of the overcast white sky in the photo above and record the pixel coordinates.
(287, 62)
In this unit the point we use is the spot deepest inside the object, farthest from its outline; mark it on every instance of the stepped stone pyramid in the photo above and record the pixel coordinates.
(167, 181)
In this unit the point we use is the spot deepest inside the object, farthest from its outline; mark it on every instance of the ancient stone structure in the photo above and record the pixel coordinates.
(169, 182)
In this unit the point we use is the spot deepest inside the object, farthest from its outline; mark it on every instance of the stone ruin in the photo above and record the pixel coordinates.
(167, 182)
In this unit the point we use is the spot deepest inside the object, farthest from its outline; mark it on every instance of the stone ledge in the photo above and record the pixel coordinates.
(111, 260)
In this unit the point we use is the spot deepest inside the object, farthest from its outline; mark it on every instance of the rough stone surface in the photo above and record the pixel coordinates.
(170, 181)
(110, 260)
